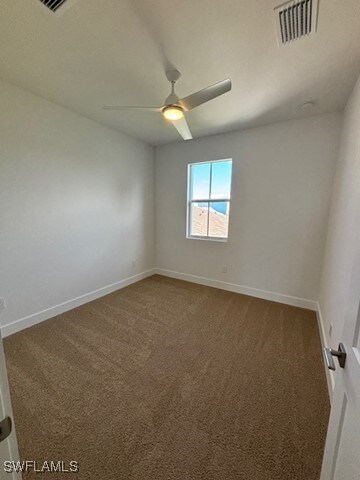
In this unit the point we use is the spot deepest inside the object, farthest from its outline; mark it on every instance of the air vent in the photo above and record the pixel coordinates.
(296, 19)
(53, 5)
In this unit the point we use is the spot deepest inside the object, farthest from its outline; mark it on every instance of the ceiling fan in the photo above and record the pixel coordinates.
(174, 108)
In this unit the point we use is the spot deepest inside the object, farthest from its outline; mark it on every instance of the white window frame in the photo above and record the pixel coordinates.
(207, 200)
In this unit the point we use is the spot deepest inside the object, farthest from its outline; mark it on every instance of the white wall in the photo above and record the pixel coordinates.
(341, 239)
(282, 181)
(76, 205)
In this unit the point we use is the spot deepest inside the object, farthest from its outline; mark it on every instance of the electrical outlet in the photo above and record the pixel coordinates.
(330, 330)
(2, 303)
(224, 269)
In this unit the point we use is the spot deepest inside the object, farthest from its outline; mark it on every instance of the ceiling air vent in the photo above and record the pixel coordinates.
(296, 19)
(56, 6)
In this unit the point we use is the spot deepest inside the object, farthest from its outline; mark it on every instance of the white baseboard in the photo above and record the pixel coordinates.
(232, 287)
(31, 320)
(330, 377)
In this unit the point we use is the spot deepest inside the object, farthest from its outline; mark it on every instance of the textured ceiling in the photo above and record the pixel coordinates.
(101, 52)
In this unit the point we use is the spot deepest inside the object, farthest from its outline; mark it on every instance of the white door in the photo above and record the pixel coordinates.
(342, 449)
(8, 447)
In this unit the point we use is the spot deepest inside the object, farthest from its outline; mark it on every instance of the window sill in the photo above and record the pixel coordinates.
(209, 239)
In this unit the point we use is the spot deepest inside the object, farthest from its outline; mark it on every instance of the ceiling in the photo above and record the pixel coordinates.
(104, 52)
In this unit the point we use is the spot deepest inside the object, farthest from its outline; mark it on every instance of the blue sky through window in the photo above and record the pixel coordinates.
(221, 180)
(220, 183)
(200, 177)
(209, 195)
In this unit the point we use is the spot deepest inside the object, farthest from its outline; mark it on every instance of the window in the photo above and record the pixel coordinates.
(209, 189)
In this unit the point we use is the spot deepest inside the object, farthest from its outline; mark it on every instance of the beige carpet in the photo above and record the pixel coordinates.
(171, 380)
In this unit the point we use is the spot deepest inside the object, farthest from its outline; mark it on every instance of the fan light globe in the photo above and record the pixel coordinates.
(173, 112)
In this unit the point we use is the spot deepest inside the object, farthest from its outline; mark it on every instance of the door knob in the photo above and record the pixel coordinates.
(340, 354)
(5, 428)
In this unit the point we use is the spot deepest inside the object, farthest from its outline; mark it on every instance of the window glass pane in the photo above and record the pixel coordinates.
(200, 181)
(221, 179)
(219, 219)
(199, 219)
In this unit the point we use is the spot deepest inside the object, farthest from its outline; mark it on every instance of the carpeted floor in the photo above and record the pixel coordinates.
(170, 380)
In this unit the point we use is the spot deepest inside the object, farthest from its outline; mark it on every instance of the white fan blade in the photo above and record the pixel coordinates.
(129, 107)
(206, 94)
(183, 128)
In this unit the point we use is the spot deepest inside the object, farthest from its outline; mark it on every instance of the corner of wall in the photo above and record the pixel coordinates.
(154, 233)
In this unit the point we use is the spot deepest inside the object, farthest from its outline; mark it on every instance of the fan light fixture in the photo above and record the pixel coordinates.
(175, 108)
(173, 112)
